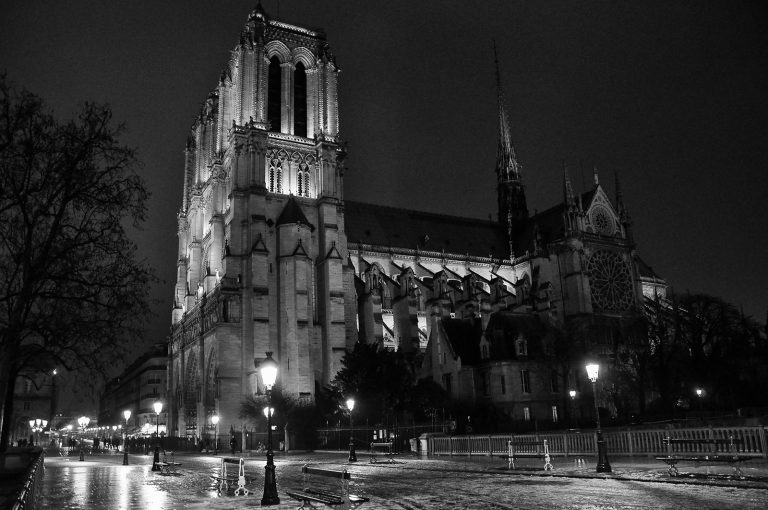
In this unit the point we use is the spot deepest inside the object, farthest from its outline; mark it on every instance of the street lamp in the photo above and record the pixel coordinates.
(603, 466)
(215, 421)
(268, 369)
(352, 454)
(37, 425)
(572, 393)
(127, 416)
(158, 407)
(83, 421)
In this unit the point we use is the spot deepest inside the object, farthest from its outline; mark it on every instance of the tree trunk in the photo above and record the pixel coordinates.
(9, 381)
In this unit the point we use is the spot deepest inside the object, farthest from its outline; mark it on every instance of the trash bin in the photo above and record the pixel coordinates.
(414, 444)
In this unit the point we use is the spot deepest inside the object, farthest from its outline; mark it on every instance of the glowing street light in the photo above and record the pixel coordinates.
(268, 370)
(83, 421)
(127, 416)
(603, 466)
(352, 454)
(215, 421)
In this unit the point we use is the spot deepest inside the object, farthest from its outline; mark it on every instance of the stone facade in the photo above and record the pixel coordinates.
(273, 257)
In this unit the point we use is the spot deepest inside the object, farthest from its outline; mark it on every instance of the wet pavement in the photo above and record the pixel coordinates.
(102, 482)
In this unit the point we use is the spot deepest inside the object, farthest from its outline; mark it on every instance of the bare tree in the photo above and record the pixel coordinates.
(72, 289)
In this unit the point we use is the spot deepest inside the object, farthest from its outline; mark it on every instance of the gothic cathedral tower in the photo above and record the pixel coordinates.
(261, 243)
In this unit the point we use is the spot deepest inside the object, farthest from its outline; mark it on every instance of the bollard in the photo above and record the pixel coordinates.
(156, 459)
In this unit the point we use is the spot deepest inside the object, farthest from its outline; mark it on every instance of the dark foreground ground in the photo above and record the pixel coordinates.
(102, 482)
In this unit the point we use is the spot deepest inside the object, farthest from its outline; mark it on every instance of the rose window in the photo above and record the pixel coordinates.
(602, 221)
(610, 281)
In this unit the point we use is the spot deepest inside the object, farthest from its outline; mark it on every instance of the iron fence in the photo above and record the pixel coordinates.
(750, 441)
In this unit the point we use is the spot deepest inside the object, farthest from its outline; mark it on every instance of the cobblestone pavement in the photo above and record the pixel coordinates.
(410, 483)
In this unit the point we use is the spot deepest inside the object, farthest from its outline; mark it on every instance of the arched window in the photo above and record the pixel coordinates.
(303, 179)
(274, 105)
(300, 101)
(275, 175)
(299, 183)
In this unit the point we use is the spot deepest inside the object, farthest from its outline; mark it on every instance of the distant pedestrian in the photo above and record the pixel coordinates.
(233, 444)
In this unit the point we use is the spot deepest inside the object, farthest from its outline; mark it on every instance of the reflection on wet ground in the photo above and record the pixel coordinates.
(413, 483)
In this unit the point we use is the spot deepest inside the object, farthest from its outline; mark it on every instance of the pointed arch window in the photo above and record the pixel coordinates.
(275, 175)
(303, 180)
(300, 101)
(274, 104)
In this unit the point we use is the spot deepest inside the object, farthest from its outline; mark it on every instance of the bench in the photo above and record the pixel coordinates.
(711, 456)
(227, 476)
(168, 466)
(325, 493)
(385, 449)
(536, 449)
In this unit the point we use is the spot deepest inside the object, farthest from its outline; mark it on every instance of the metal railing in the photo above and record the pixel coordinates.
(751, 442)
(27, 496)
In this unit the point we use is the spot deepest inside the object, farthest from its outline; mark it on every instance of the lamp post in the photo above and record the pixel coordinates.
(37, 425)
(127, 416)
(268, 369)
(572, 394)
(699, 394)
(158, 407)
(352, 454)
(603, 466)
(83, 421)
(215, 421)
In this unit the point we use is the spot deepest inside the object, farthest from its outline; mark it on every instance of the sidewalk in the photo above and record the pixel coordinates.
(641, 469)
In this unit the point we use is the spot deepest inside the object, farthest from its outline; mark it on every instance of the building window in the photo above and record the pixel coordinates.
(525, 381)
(522, 347)
(26, 405)
(503, 385)
(486, 382)
(554, 414)
(447, 383)
(554, 382)
(484, 348)
(527, 413)
(300, 101)
(274, 105)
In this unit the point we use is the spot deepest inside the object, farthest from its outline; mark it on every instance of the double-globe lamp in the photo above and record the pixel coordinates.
(83, 421)
(352, 454)
(603, 466)
(127, 416)
(268, 370)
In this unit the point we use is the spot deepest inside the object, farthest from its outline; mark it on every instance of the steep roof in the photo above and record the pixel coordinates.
(409, 229)
(292, 214)
(464, 337)
(550, 225)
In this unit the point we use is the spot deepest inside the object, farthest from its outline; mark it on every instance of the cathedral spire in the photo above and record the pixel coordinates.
(513, 210)
(621, 209)
(507, 166)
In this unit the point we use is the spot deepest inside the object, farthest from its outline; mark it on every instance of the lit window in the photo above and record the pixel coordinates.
(527, 413)
(554, 414)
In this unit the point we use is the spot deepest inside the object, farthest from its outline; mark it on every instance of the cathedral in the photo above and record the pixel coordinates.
(273, 257)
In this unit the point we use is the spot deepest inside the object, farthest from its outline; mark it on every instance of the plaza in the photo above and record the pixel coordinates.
(412, 482)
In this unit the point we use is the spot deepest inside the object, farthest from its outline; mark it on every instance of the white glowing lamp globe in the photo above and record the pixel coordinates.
(127, 414)
(268, 369)
(572, 393)
(31, 424)
(350, 403)
(215, 419)
(269, 411)
(45, 423)
(592, 371)
(158, 407)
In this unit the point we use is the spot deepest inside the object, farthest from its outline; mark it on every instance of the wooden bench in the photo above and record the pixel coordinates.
(535, 449)
(693, 454)
(227, 476)
(325, 493)
(168, 467)
(384, 449)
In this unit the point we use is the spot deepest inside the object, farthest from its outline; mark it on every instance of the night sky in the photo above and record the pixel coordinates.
(669, 95)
